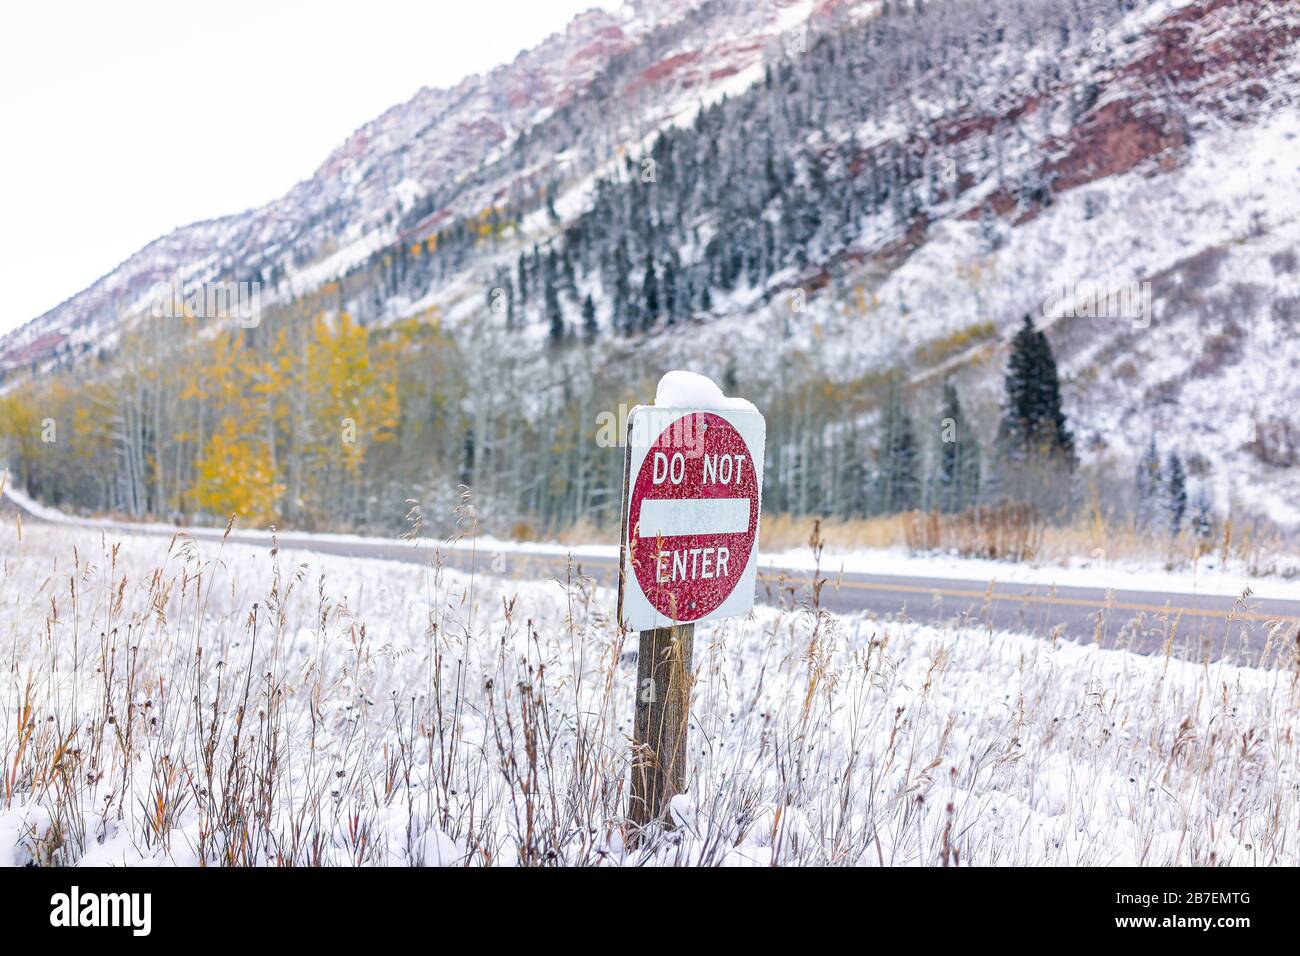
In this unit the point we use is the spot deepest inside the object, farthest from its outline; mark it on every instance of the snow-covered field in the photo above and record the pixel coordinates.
(231, 704)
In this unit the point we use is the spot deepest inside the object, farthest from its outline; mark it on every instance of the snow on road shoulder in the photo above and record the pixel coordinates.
(1206, 578)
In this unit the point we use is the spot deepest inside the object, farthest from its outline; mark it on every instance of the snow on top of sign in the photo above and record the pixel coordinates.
(679, 389)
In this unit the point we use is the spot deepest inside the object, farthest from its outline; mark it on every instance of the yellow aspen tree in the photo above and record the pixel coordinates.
(235, 474)
(236, 468)
(351, 386)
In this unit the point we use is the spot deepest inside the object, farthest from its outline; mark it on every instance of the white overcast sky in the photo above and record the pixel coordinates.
(120, 121)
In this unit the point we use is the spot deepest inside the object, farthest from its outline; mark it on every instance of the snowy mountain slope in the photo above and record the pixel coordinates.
(355, 194)
(1182, 172)
(870, 188)
(444, 154)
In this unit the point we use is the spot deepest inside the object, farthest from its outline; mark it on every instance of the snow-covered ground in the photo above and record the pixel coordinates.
(229, 704)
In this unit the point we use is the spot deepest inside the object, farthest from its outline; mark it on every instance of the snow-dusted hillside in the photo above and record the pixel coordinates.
(611, 77)
(1183, 173)
(923, 175)
(1209, 374)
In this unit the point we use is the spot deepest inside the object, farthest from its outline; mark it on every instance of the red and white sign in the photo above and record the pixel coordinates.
(695, 478)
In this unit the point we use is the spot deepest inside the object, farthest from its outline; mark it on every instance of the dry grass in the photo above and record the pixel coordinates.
(231, 705)
(1012, 532)
(577, 533)
(784, 532)
(1005, 532)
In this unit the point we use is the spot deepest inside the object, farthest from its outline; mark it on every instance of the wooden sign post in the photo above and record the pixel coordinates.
(663, 710)
(692, 485)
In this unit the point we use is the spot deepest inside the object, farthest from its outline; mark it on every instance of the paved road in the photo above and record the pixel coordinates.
(1206, 625)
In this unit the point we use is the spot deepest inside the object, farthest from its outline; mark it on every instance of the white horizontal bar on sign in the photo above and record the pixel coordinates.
(678, 516)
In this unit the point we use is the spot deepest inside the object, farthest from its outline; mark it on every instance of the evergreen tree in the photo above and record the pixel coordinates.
(730, 384)
(1020, 414)
(898, 466)
(958, 475)
(554, 314)
(1149, 483)
(1033, 423)
(1035, 451)
(670, 291)
(569, 272)
(1175, 493)
(589, 327)
(650, 295)
(622, 290)
(1203, 521)
(466, 475)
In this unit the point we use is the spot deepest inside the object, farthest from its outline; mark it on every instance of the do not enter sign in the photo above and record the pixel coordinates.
(693, 504)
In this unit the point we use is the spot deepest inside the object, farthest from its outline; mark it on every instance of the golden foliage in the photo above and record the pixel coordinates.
(236, 474)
